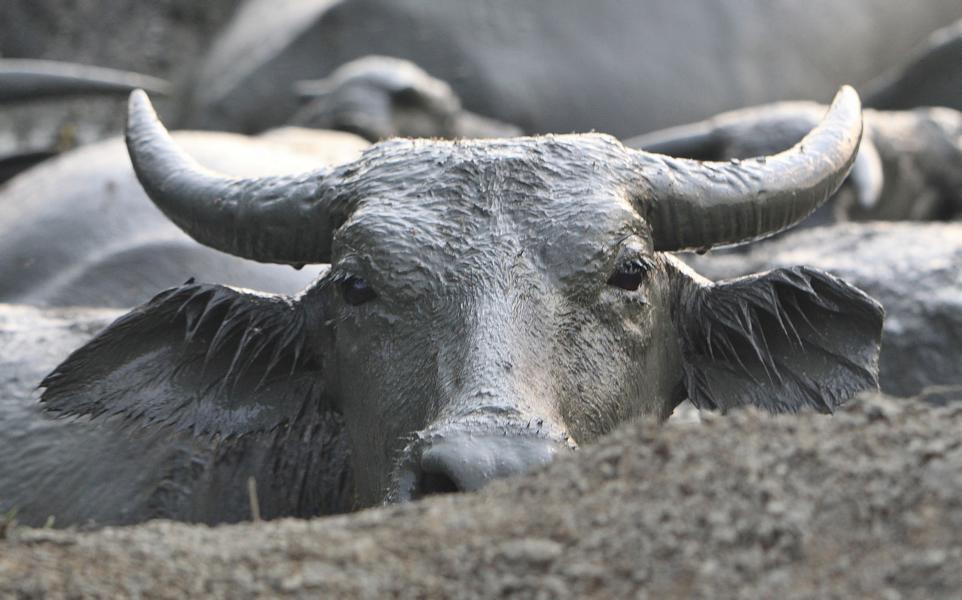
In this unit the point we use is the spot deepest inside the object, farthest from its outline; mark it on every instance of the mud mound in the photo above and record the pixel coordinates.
(865, 504)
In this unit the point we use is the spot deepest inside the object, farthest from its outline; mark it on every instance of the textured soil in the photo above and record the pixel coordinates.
(867, 503)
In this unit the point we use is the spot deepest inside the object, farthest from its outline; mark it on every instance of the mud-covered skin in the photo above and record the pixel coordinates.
(619, 67)
(79, 230)
(491, 287)
(489, 303)
(909, 165)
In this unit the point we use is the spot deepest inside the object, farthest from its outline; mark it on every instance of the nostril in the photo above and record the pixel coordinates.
(465, 462)
(430, 484)
(439, 471)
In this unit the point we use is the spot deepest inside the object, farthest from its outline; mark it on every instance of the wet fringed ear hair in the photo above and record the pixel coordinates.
(200, 357)
(783, 340)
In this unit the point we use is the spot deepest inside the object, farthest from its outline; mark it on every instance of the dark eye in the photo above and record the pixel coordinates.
(356, 291)
(630, 274)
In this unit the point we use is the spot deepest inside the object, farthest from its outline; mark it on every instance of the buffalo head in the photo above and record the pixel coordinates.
(488, 303)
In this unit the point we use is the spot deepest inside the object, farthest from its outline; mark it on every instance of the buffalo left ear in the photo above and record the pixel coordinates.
(782, 340)
(206, 358)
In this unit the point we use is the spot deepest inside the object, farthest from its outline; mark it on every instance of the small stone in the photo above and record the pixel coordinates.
(532, 550)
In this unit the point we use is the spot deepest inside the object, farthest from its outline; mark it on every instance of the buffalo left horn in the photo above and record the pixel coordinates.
(28, 79)
(283, 219)
(695, 205)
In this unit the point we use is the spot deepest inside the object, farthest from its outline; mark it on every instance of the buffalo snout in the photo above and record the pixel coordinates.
(464, 460)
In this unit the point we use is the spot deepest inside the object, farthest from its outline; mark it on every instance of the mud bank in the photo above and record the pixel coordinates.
(867, 503)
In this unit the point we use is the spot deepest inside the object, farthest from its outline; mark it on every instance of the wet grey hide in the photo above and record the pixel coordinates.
(488, 304)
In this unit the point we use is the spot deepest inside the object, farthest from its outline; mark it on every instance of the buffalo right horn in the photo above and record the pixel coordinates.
(761, 130)
(27, 79)
(695, 205)
(279, 219)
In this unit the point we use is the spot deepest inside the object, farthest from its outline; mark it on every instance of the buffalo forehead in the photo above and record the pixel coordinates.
(489, 172)
(562, 201)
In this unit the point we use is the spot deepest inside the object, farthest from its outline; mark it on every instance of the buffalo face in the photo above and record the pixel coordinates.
(489, 304)
(494, 315)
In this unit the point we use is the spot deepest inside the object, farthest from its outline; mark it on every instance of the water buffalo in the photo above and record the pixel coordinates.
(79, 230)
(487, 305)
(909, 165)
(624, 68)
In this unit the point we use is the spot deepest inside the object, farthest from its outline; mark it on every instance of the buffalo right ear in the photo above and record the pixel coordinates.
(205, 358)
(782, 340)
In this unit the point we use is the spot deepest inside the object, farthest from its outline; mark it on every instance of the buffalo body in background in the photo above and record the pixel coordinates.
(79, 230)
(162, 39)
(25, 145)
(932, 76)
(624, 68)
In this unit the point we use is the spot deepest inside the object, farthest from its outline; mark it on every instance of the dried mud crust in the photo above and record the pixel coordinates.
(867, 503)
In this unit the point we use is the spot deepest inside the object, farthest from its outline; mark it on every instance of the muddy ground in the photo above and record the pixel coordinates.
(867, 503)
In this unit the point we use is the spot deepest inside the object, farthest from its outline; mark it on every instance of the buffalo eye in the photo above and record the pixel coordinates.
(629, 274)
(356, 291)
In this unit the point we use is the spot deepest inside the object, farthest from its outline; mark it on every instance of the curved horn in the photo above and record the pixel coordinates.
(281, 219)
(758, 130)
(26, 79)
(697, 205)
